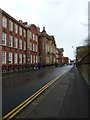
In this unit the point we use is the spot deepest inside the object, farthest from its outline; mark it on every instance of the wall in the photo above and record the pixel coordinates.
(85, 72)
(84, 68)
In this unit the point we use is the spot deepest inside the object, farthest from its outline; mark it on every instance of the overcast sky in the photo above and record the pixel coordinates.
(64, 19)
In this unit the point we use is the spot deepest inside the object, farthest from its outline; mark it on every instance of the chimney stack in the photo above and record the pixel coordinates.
(44, 28)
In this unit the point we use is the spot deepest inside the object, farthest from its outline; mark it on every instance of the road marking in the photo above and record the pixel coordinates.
(31, 98)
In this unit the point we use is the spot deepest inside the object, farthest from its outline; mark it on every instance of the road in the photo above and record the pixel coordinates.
(18, 87)
(68, 97)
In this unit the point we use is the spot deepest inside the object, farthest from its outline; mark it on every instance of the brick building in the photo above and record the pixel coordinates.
(66, 60)
(24, 46)
(13, 38)
(59, 55)
(32, 45)
(47, 48)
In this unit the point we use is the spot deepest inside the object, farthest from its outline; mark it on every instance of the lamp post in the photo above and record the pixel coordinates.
(75, 53)
(74, 48)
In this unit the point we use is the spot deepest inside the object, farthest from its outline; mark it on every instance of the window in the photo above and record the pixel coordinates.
(36, 59)
(20, 31)
(33, 37)
(31, 46)
(10, 25)
(4, 57)
(15, 42)
(24, 45)
(30, 35)
(15, 58)
(31, 59)
(4, 38)
(4, 21)
(20, 58)
(10, 58)
(47, 47)
(36, 38)
(24, 58)
(15, 28)
(10, 41)
(36, 48)
(20, 44)
(24, 33)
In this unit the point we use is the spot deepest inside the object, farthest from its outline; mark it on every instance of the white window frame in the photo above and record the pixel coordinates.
(20, 58)
(10, 41)
(24, 45)
(10, 25)
(10, 57)
(30, 35)
(16, 28)
(24, 58)
(3, 57)
(36, 38)
(24, 31)
(4, 36)
(15, 58)
(33, 37)
(36, 48)
(36, 59)
(20, 31)
(31, 59)
(4, 21)
(31, 46)
(15, 42)
(20, 44)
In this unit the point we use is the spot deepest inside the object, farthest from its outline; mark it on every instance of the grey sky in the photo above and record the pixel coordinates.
(62, 18)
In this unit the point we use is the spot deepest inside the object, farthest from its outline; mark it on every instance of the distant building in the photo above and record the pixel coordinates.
(59, 55)
(47, 48)
(32, 46)
(66, 60)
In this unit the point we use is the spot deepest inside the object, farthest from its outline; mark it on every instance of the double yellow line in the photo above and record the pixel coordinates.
(29, 100)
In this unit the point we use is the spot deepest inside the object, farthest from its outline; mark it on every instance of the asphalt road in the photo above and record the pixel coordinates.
(18, 87)
(66, 98)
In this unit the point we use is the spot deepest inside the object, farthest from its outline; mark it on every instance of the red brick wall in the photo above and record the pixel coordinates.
(40, 45)
(34, 31)
(66, 60)
(12, 49)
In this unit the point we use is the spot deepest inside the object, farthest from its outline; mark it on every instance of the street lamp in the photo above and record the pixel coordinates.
(75, 53)
(74, 47)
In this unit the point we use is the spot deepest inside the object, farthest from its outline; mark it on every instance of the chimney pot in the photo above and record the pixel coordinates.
(44, 28)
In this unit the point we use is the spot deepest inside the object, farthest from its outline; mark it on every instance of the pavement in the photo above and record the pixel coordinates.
(65, 98)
